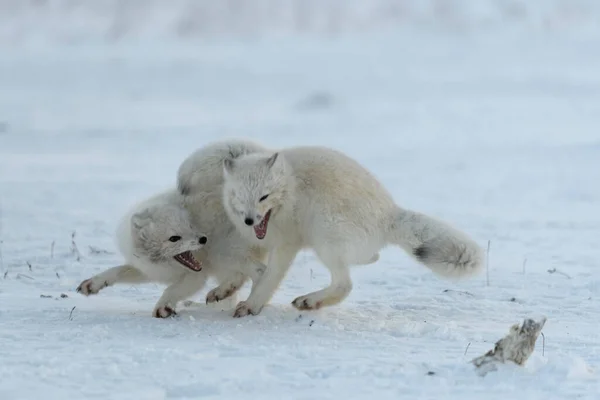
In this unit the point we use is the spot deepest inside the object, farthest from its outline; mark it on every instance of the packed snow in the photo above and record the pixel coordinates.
(487, 122)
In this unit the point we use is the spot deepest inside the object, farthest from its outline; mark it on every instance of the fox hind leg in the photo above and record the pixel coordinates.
(339, 288)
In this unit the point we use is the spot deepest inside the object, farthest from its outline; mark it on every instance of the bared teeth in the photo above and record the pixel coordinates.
(187, 260)
(261, 229)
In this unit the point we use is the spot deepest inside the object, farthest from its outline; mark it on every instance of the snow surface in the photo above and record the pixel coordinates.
(494, 130)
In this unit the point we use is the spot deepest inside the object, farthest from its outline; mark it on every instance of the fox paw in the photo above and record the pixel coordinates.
(243, 309)
(91, 286)
(163, 312)
(219, 293)
(306, 303)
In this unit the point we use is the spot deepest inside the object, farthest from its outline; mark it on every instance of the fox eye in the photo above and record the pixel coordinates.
(264, 197)
(174, 238)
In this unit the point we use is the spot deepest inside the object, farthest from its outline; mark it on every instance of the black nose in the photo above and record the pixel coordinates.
(249, 221)
(202, 240)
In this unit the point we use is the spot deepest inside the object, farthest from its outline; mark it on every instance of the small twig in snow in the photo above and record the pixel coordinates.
(71, 313)
(543, 343)
(52, 249)
(467, 349)
(57, 275)
(25, 276)
(29, 265)
(517, 346)
(5, 274)
(312, 321)
(458, 291)
(554, 270)
(74, 249)
(45, 296)
(487, 265)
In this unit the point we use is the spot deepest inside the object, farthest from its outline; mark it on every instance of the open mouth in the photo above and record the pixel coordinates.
(261, 229)
(187, 260)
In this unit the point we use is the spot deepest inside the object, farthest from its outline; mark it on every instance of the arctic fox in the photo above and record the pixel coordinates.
(319, 198)
(200, 184)
(161, 243)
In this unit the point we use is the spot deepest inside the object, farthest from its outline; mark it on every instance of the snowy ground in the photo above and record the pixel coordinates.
(496, 133)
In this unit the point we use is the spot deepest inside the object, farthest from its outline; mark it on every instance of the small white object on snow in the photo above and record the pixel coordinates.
(517, 346)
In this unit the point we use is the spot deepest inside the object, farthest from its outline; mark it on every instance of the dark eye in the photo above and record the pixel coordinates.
(174, 238)
(264, 197)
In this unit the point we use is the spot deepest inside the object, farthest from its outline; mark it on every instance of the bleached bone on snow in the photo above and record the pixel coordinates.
(517, 346)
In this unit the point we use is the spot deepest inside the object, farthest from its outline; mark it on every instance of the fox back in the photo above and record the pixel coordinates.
(202, 170)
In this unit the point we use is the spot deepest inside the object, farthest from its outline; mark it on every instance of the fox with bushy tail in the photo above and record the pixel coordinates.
(318, 198)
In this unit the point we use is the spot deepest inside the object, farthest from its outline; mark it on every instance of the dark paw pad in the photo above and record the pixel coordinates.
(164, 312)
(304, 305)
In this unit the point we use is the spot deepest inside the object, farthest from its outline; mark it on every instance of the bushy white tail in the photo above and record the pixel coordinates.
(440, 247)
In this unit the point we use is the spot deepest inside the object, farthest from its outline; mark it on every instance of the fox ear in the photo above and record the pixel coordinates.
(139, 219)
(228, 165)
(271, 160)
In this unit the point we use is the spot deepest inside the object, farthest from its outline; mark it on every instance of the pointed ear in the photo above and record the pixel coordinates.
(271, 160)
(228, 165)
(138, 220)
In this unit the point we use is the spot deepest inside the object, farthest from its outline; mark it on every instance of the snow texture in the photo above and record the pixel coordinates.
(486, 118)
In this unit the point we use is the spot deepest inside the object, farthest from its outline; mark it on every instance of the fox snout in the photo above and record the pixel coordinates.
(252, 218)
(197, 242)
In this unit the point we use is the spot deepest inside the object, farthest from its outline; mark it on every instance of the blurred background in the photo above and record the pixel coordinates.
(80, 21)
(485, 113)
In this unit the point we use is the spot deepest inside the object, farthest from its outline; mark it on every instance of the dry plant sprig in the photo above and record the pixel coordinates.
(458, 291)
(71, 313)
(74, 248)
(555, 271)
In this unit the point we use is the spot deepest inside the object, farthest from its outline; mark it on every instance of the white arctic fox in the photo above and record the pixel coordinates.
(319, 198)
(161, 242)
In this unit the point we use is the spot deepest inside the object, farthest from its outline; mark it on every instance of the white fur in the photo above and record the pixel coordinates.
(200, 181)
(143, 239)
(323, 200)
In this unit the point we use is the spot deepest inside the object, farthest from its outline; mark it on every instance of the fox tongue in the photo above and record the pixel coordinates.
(260, 230)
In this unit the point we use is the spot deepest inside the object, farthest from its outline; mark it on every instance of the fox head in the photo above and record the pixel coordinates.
(255, 188)
(165, 232)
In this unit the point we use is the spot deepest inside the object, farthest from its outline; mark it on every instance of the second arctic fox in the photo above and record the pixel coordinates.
(162, 243)
(319, 198)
